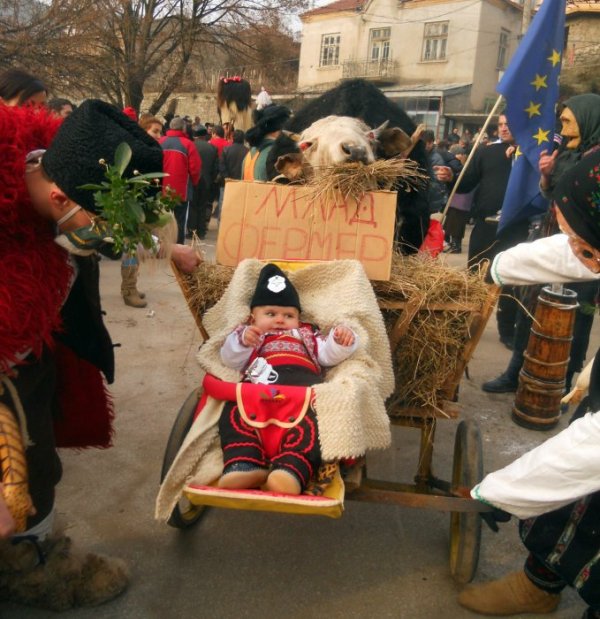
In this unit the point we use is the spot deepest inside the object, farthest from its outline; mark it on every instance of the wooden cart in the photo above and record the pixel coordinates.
(427, 491)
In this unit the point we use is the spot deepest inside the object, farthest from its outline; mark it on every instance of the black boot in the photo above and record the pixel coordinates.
(505, 383)
(455, 246)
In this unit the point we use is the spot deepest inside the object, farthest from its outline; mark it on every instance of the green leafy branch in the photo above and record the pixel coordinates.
(131, 207)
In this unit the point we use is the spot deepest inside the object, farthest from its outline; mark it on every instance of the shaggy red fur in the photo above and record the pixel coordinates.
(86, 406)
(34, 270)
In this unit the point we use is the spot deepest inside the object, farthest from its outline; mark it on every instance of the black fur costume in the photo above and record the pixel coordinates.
(234, 102)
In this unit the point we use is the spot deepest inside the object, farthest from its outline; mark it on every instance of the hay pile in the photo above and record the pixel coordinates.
(352, 180)
(430, 350)
(205, 286)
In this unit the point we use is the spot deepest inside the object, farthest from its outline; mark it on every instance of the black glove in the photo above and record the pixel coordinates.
(494, 517)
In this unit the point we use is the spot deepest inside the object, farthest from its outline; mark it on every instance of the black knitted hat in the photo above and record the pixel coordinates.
(93, 132)
(274, 288)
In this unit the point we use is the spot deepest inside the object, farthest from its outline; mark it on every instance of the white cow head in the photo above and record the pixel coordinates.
(339, 139)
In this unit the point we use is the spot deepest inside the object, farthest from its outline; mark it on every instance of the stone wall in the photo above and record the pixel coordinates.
(188, 104)
(582, 54)
(204, 104)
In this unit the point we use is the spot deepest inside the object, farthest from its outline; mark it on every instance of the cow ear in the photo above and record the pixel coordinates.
(373, 134)
(304, 146)
(394, 141)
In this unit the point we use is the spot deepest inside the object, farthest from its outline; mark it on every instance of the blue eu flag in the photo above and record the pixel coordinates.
(530, 87)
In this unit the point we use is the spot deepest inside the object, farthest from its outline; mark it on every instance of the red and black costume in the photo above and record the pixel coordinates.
(277, 427)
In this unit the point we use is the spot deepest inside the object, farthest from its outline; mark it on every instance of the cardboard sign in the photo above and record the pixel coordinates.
(284, 222)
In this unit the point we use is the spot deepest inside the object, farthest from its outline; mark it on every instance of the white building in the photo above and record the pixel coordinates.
(440, 59)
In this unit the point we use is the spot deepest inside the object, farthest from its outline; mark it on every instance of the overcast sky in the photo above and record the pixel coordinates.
(296, 24)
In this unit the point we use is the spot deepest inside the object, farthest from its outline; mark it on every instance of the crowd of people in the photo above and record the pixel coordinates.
(49, 257)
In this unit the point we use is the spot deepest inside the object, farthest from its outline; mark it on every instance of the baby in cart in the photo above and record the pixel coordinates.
(277, 448)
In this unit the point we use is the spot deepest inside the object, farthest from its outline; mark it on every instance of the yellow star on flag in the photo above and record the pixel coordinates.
(533, 109)
(541, 136)
(540, 81)
(518, 152)
(554, 58)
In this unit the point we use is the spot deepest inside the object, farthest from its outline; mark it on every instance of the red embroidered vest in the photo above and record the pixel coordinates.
(285, 348)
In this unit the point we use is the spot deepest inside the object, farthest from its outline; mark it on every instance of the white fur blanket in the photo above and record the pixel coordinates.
(349, 405)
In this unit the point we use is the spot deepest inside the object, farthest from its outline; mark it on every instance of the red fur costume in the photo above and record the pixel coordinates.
(35, 278)
(34, 270)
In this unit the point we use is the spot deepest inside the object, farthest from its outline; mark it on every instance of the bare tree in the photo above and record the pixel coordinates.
(113, 48)
(271, 58)
(35, 35)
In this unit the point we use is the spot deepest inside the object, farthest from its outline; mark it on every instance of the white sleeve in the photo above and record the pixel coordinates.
(548, 260)
(556, 473)
(330, 353)
(234, 354)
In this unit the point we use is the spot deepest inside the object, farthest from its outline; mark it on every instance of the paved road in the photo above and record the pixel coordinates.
(375, 562)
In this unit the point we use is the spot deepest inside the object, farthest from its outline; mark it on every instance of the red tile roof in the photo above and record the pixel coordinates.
(334, 7)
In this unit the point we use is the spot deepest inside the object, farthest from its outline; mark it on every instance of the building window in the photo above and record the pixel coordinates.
(424, 110)
(434, 40)
(330, 50)
(379, 44)
(503, 49)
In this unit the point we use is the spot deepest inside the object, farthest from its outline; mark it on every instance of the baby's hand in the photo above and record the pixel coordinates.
(343, 336)
(251, 336)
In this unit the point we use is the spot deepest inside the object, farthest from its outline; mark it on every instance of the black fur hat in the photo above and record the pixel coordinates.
(269, 119)
(93, 132)
(274, 288)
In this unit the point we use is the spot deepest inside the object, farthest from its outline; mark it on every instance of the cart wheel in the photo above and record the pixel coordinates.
(184, 514)
(465, 528)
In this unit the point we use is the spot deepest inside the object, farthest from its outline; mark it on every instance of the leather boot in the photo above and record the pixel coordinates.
(504, 383)
(50, 575)
(130, 294)
(512, 595)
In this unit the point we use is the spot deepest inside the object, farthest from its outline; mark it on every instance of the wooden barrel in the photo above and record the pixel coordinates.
(555, 312)
(548, 371)
(543, 347)
(542, 377)
(537, 402)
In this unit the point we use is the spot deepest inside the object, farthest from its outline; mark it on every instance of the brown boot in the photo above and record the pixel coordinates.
(50, 575)
(129, 291)
(512, 595)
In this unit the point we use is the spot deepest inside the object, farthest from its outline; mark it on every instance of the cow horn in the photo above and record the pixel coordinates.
(290, 134)
(373, 134)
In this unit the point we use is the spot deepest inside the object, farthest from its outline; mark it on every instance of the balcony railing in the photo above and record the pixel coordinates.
(376, 70)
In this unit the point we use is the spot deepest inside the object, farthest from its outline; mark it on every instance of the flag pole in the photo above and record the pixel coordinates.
(473, 148)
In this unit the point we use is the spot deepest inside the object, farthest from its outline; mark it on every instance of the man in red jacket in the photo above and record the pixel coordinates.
(183, 164)
(218, 139)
